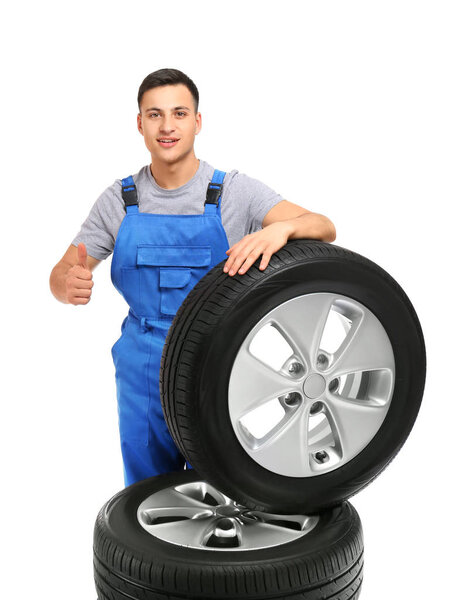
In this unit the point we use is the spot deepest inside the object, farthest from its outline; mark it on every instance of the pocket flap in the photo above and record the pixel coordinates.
(174, 256)
(174, 278)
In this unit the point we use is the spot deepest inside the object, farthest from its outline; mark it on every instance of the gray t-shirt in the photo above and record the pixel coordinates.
(244, 204)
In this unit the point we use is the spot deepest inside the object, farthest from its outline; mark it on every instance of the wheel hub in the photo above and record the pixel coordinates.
(314, 385)
(227, 510)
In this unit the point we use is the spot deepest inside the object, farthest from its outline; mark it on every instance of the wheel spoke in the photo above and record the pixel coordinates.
(302, 321)
(286, 451)
(207, 491)
(252, 384)
(296, 522)
(365, 348)
(155, 516)
(264, 534)
(180, 500)
(354, 423)
(186, 533)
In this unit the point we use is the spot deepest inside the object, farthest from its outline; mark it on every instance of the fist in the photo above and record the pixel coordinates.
(79, 279)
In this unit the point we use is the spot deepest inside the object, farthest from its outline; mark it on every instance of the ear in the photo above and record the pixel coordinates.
(139, 124)
(198, 119)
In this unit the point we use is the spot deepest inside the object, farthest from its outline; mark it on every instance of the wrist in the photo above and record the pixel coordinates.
(288, 227)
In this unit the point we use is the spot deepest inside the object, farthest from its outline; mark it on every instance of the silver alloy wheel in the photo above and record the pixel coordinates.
(311, 384)
(198, 516)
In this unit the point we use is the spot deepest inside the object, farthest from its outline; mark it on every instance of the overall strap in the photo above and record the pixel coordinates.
(129, 194)
(214, 190)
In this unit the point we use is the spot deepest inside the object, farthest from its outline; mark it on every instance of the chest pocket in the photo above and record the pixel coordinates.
(167, 274)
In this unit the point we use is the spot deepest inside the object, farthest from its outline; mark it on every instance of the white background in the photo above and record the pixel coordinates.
(342, 107)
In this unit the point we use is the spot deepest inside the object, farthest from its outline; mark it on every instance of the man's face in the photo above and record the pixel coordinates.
(168, 113)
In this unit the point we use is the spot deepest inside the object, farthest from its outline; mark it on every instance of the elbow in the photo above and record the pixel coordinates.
(328, 230)
(314, 227)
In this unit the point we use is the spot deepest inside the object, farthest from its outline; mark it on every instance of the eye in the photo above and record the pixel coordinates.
(151, 115)
(181, 113)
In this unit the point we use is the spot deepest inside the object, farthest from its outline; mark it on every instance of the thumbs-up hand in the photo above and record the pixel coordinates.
(79, 279)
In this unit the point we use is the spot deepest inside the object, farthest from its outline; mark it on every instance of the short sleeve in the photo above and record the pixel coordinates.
(260, 199)
(98, 232)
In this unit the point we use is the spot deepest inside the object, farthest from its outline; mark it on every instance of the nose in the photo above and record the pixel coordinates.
(166, 124)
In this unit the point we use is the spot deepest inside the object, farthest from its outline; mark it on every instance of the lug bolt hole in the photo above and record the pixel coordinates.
(292, 399)
(295, 368)
(322, 362)
(321, 457)
(225, 524)
(334, 385)
(316, 408)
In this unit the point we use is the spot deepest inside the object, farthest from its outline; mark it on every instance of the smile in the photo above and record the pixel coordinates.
(167, 143)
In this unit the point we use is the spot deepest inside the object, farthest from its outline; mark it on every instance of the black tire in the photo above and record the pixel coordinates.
(130, 562)
(205, 338)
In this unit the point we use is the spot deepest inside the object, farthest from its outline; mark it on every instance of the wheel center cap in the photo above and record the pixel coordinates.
(314, 385)
(227, 510)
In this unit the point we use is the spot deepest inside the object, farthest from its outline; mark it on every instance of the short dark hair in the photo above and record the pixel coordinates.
(167, 77)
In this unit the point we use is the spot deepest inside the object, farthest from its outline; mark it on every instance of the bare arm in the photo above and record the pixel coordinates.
(302, 222)
(283, 222)
(71, 279)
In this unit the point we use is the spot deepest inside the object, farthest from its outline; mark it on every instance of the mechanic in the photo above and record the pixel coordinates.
(168, 225)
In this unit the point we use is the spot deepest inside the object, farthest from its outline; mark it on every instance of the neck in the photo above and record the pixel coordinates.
(173, 175)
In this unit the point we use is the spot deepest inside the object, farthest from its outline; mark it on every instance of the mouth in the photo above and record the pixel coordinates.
(167, 142)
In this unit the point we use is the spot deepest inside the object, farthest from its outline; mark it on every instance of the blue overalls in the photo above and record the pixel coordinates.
(157, 260)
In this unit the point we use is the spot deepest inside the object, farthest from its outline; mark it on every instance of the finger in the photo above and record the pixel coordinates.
(80, 293)
(228, 264)
(79, 272)
(248, 256)
(82, 283)
(234, 261)
(247, 264)
(265, 260)
(236, 248)
(231, 252)
(237, 245)
(82, 255)
(77, 301)
(242, 249)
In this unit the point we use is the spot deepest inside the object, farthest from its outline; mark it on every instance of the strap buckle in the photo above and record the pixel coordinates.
(214, 191)
(129, 195)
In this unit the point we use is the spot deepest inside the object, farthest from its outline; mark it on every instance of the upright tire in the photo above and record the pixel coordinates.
(290, 389)
(176, 537)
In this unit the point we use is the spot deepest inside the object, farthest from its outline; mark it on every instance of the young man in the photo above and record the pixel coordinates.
(167, 226)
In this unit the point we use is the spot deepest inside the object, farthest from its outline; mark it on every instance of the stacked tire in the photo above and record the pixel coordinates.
(288, 390)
